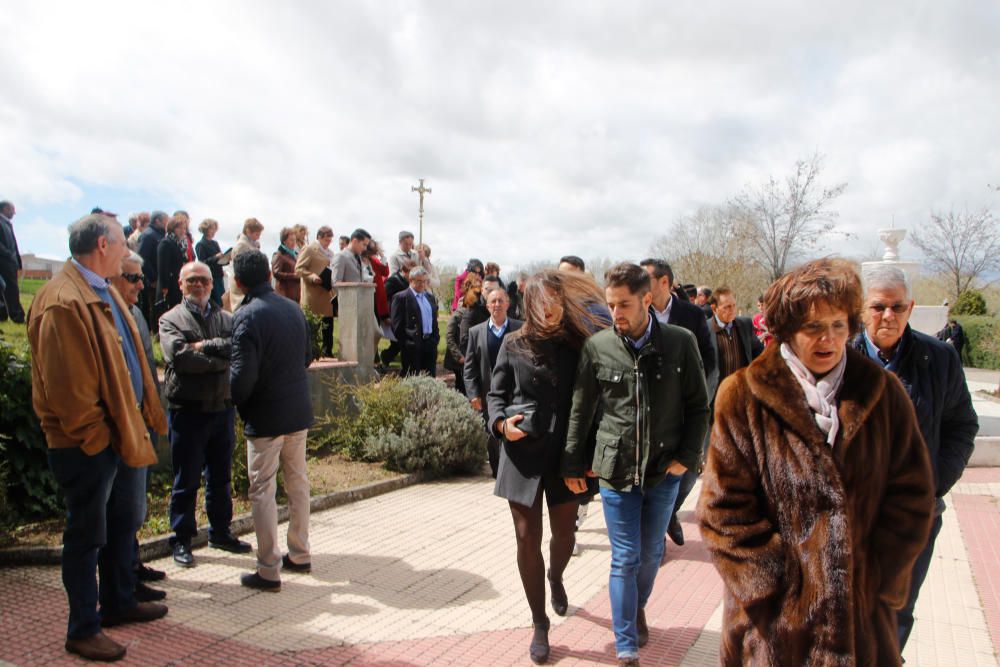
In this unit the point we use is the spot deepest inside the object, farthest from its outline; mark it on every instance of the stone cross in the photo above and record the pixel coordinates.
(421, 190)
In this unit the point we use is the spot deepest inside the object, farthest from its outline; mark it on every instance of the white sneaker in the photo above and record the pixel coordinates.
(581, 514)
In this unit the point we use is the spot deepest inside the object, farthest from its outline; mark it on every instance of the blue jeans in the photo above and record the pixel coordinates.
(105, 506)
(637, 523)
(904, 617)
(201, 441)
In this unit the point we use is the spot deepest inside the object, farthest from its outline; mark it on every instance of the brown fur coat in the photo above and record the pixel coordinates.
(814, 544)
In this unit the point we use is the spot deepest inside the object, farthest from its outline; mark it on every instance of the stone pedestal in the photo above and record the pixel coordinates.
(356, 315)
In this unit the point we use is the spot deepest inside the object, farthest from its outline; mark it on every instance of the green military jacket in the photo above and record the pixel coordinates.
(653, 408)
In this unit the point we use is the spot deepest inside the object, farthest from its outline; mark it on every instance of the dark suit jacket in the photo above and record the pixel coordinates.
(477, 372)
(10, 257)
(686, 314)
(406, 323)
(752, 347)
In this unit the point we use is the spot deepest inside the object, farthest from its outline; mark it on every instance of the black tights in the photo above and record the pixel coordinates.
(530, 562)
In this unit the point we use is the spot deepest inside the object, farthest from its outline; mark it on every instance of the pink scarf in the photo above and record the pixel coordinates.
(820, 394)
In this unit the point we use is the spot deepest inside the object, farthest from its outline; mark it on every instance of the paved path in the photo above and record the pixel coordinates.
(426, 576)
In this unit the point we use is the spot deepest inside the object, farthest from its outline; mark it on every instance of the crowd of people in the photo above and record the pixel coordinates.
(826, 431)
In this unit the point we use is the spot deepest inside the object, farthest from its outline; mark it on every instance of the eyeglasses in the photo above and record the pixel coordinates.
(132, 277)
(191, 280)
(879, 308)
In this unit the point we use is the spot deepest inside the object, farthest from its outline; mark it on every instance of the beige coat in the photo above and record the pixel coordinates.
(243, 244)
(310, 263)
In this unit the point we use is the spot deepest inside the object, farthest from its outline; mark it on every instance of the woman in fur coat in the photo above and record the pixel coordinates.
(818, 494)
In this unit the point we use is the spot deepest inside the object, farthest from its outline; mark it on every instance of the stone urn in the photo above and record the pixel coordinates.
(891, 237)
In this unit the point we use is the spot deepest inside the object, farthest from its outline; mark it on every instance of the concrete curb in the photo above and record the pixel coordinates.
(987, 452)
(158, 547)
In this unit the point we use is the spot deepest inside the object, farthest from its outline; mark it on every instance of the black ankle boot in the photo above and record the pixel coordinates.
(539, 649)
(557, 595)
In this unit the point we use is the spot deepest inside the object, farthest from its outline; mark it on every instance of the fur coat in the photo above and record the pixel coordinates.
(814, 544)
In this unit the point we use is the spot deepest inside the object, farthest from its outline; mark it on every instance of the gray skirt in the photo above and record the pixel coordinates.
(522, 489)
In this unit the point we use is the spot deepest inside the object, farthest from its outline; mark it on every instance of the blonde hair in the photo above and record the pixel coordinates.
(207, 224)
(252, 225)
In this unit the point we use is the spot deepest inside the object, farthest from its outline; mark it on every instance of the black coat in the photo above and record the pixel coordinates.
(478, 373)
(751, 345)
(932, 375)
(686, 314)
(271, 350)
(395, 284)
(205, 250)
(170, 258)
(546, 383)
(149, 243)
(407, 325)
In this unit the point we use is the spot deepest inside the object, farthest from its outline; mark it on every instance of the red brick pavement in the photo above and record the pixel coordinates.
(980, 521)
(33, 622)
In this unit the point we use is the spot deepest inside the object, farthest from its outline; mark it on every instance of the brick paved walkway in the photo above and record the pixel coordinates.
(426, 576)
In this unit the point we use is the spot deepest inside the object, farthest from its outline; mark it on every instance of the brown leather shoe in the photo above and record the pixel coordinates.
(641, 628)
(628, 662)
(97, 647)
(143, 612)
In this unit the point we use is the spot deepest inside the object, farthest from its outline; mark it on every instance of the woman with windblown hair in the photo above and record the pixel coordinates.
(818, 494)
(529, 403)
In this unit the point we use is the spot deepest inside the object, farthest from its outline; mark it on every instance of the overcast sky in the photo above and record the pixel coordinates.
(543, 128)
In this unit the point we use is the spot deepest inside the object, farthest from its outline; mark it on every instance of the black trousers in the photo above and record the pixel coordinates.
(11, 295)
(147, 297)
(327, 336)
(420, 356)
(904, 617)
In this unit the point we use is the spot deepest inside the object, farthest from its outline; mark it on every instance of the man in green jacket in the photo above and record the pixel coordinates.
(648, 379)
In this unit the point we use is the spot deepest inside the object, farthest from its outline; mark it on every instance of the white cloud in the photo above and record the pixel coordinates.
(543, 129)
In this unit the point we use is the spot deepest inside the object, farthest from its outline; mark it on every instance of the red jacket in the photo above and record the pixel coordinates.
(381, 272)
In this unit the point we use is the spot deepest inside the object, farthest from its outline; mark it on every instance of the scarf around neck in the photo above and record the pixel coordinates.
(821, 395)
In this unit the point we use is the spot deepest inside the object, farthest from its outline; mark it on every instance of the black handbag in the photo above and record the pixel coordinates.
(529, 424)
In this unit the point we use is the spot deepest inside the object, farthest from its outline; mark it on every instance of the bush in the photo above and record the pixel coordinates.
(440, 433)
(970, 302)
(315, 323)
(982, 335)
(30, 490)
(357, 414)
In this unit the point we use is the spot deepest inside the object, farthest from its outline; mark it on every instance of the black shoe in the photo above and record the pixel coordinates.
(144, 612)
(538, 651)
(291, 566)
(558, 595)
(144, 573)
(144, 593)
(641, 628)
(254, 580)
(183, 555)
(229, 542)
(675, 532)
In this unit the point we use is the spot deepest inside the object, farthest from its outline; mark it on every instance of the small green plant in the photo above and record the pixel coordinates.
(440, 433)
(31, 491)
(315, 323)
(982, 335)
(970, 302)
(358, 413)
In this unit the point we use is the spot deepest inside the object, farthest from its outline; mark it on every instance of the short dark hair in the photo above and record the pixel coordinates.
(492, 278)
(158, 215)
(704, 291)
(360, 234)
(251, 268)
(5, 205)
(630, 275)
(660, 268)
(324, 231)
(345, 239)
(574, 260)
(790, 298)
(85, 232)
(713, 297)
(475, 265)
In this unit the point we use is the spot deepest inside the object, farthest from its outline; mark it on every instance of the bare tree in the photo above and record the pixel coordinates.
(711, 247)
(788, 217)
(963, 246)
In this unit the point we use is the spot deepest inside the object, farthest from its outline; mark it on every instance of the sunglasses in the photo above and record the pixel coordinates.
(191, 280)
(132, 277)
(898, 308)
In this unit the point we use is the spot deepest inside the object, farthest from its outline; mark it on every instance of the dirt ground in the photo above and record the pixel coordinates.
(326, 475)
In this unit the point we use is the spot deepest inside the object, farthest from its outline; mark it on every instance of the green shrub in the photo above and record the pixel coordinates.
(982, 335)
(440, 434)
(357, 414)
(31, 491)
(315, 323)
(970, 302)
